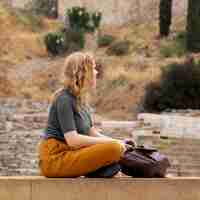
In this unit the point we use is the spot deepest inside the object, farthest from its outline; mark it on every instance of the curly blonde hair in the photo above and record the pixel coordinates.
(78, 72)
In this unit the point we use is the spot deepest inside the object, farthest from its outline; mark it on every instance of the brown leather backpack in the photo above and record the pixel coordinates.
(144, 162)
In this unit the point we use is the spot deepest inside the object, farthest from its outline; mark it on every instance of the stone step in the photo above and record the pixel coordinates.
(174, 126)
(186, 166)
(126, 188)
(181, 173)
(183, 155)
(180, 148)
(118, 124)
(185, 159)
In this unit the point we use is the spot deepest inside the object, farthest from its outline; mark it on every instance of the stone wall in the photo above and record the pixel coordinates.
(22, 121)
(19, 3)
(118, 12)
(176, 134)
(39, 188)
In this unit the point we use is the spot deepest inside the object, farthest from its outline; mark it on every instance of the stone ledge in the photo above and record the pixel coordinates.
(126, 188)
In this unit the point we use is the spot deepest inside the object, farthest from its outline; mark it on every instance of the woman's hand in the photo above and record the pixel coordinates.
(125, 146)
(130, 141)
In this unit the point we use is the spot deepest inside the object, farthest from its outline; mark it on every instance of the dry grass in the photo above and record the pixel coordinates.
(41, 86)
(21, 47)
(20, 41)
(6, 86)
(120, 90)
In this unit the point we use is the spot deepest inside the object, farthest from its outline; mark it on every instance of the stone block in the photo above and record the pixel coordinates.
(15, 189)
(116, 188)
(127, 188)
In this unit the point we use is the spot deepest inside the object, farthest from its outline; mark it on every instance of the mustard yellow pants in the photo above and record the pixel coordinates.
(57, 159)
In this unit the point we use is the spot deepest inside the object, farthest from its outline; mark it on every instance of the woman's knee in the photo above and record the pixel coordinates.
(114, 150)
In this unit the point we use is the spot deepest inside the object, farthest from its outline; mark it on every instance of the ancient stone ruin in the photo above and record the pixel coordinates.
(117, 12)
(21, 122)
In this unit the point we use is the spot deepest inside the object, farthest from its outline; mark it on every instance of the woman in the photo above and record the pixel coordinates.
(71, 146)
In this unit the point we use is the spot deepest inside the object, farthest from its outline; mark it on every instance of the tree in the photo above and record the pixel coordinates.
(165, 15)
(193, 26)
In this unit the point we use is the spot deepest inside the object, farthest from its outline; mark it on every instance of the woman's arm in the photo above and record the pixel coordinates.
(77, 141)
(95, 133)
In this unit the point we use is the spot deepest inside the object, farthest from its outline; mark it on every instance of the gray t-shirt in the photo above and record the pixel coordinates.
(64, 117)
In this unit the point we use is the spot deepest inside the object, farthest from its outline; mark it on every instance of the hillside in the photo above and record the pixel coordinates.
(21, 39)
(28, 69)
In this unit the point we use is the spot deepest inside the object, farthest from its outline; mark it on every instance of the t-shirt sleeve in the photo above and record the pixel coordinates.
(65, 114)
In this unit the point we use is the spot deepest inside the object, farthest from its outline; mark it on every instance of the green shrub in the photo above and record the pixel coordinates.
(105, 40)
(178, 88)
(119, 81)
(55, 43)
(75, 39)
(81, 19)
(96, 19)
(28, 19)
(39, 6)
(43, 7)
(171, 50)
(119, 48)
(177, 47)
